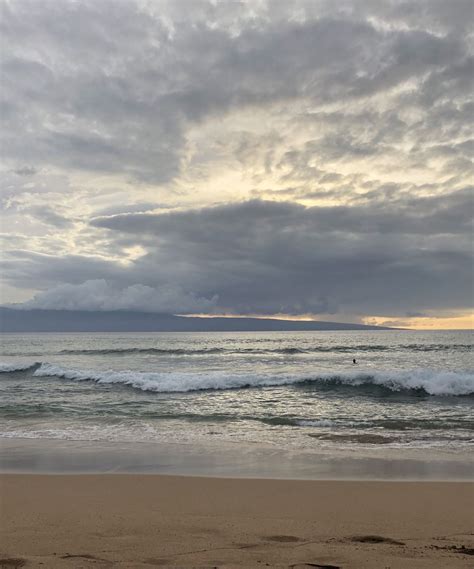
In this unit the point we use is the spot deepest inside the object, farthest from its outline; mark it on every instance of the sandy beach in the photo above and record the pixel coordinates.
(159, 521)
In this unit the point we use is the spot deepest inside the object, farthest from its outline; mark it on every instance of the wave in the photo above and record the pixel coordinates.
(260, 351)
(183, 351)
(320, 423)
(158, 351)
(421, 380)
(10, 368)
(393, 348)
(438, 347)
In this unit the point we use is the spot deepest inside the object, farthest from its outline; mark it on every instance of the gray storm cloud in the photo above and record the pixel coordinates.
(98, 294)
(274, 257)
(272, 157)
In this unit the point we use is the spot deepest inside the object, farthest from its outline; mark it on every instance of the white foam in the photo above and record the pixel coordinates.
(166, 381)
(319, 423)
(432, 382)
(5, 368)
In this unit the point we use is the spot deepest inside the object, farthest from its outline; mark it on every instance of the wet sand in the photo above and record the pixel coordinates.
(144, 521)
(230, 460)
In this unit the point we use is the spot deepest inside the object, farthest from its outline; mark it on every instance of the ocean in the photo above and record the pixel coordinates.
(289, 390)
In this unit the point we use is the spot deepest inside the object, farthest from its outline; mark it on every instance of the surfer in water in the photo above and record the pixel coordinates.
(354, 361)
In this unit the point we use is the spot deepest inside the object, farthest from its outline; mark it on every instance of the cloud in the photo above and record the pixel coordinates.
(135, 135)
(48, 216)
(264, 257)
(113, 87)
(100, 295)
(25, 171)
(431, 215)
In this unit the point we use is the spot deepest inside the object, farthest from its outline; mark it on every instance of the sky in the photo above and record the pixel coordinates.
(305, 159)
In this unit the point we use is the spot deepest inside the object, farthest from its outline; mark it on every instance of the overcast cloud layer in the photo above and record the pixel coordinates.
(238, 157)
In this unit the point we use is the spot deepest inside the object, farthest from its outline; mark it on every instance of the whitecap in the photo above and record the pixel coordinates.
(430, 381)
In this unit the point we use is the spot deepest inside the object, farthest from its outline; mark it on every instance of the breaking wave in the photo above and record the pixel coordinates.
(10, 368)
(419, 380)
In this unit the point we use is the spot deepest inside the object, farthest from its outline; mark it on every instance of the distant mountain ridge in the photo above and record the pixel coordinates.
(38, 320)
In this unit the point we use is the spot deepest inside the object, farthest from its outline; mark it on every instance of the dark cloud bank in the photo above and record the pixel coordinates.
(115, 88)
(263, 257)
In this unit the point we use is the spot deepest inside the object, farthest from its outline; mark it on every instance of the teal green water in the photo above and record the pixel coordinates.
(291, 390)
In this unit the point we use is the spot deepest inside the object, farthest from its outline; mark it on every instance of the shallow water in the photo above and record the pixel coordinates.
(290, 390)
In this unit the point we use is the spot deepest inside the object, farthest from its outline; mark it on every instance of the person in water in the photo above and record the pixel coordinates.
(354, 361)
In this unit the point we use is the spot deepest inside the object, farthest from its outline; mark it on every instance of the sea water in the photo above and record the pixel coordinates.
(291, 390)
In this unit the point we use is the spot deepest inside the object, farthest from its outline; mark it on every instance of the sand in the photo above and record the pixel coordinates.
(144, 521)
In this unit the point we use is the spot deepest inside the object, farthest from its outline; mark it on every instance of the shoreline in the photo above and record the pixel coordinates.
(144, 521)
(83, 504)
(231, 460)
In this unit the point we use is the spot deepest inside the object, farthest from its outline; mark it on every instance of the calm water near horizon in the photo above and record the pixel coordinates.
(290, 390)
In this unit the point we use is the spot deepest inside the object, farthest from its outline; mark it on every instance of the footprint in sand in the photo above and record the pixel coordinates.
(84, 556)
(12, 562)
(282, 538)
(375, 539)
(455, 548)
(317, 565)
